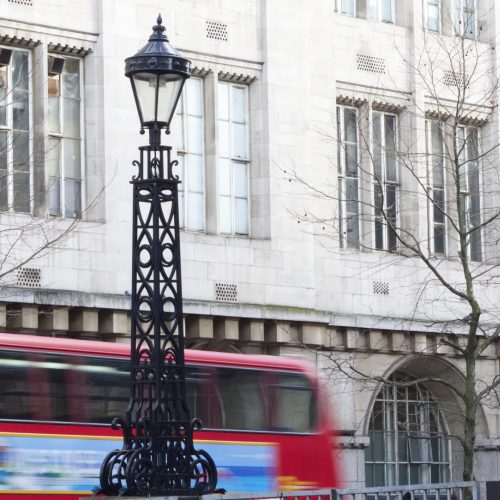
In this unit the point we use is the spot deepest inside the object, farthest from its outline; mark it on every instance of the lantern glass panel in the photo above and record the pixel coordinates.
(157, 95)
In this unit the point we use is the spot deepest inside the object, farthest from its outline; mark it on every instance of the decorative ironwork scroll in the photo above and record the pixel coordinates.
(158, 456)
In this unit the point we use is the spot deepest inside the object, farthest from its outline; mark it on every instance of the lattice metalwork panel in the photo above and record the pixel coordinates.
(217, 30)
(29, 277)
(370, 63)
(226, 292)
(380, 287)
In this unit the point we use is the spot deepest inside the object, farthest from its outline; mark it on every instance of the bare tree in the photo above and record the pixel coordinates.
(444, 169)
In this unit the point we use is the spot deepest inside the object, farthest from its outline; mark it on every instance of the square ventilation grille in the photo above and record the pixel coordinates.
(226, 292)
(217, 30)
(370, 63)
(380, 287)
(454, 79)
(28, 277)
(29, 3)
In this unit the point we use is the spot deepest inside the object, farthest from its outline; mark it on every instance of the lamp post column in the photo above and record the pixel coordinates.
(158, 456)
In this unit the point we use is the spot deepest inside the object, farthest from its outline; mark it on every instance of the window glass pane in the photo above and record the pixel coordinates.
(239, 104)
(387, 10)
(241, 216)
(240, 179)
(3, 150)
(470, 24)
(242, 399)
(72, 158)
(352, 228)
(377, 146)
(178, 125)
(352, 196)
(21, 154)
(22, 192)
(223, 101)
(54, 120)
(373, 9)
(390, 147)
(72, 198)
(53, 157)
(71, 79)
(71, 119)
(348, 7)
(15, 396)
(225, 223)
(294, 406)
(350, 125)
(432, 16)
(195, 212)
(54, 195)
(224, 177)
(224, 139)
(195, 134)
(351, 160)
(20, 110)
(3, 94)
(239, 141)
(194, 97)
(19, 62)
(195, 174)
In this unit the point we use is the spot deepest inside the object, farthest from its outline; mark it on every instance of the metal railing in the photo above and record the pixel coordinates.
(437, 491)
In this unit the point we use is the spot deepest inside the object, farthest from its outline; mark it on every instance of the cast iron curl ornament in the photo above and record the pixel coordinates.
(158, 456)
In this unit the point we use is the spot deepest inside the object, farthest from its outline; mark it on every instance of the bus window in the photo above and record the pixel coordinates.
(242, 400)
(203, 396)
(294, 405)
(14, 388)
(107, 388)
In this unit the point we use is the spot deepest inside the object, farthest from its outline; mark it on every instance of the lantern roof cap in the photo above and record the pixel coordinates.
(158, 56)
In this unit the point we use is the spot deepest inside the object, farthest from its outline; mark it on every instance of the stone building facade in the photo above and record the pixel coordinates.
(265, 114)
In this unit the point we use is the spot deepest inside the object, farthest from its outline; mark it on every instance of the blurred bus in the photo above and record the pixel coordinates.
(265, 419)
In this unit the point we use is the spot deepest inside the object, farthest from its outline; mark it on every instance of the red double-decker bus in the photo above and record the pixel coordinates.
(266, 421)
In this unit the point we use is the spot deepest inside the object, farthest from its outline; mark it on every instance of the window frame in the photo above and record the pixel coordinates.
(379, 7)
(399, 458)
(386, 184)
(461, 13)
(465, 191)
(434, 225)
(339, 8)
(184, 153)
(233, 161)
(8, 129)
(427, 4)
(343, 177)
(60, 136)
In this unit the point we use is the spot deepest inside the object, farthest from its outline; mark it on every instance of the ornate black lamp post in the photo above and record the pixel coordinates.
(158, 456)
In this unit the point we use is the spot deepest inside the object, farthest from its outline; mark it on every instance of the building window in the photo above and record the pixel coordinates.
(432, 15)
(381, 10)
(233, 158)
(64, 155)
(470, 191)
(190, 155)
(409, 443)
(15, 144)
(465, 18)
(346, 7)
(386, 183)
(348, 176)
(436, 191)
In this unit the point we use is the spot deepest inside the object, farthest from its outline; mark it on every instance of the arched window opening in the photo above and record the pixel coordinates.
(409, 442)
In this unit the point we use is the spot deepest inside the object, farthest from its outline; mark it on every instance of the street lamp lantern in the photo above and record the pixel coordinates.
(158, 456)
(157, 74)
